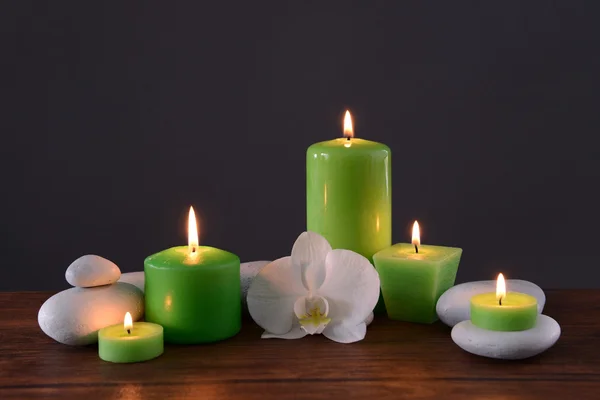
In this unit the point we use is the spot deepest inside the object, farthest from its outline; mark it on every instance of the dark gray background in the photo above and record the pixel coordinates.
(116, 117)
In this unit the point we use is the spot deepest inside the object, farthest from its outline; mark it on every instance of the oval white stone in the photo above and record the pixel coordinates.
(135, 278)
(248, 272)
(454, 305)
(507, 345)
(75, 315)
(91, 270)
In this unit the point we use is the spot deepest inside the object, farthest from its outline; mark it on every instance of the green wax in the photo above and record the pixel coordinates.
(518, 312)
(143, 342)
(413, 282)
(196, 300)
(348, 194)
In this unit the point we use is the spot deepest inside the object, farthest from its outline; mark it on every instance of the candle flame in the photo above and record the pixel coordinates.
(416, 235)
(500, 289)
(128, 322)
(348, 128)
(192, 233)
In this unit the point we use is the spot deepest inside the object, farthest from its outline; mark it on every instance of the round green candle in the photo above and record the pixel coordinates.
(196, 299)
(348, 193)
(514, 312)
(142, 342)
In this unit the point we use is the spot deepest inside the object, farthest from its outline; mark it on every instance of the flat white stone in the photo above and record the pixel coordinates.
(135, 278)
(91, 270)
(248, 272)
(454, 305)
(507, 345)
(75, 315)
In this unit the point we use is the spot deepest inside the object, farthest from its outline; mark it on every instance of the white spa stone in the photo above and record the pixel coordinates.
(135, 278)
(75, 315)
(248, 272)
(454, 305)
(507, 345)
(91, 270)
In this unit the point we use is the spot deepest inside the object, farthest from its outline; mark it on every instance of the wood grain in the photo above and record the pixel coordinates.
(396, 360)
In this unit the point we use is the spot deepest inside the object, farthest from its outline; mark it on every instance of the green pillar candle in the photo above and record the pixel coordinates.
(195, 300)
(413, 282)
(503, 311)
(129, 343)
(348, 193)
(194, 292)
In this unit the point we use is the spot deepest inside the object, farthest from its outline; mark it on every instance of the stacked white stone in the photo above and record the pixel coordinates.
(454, 309)
(98, 300)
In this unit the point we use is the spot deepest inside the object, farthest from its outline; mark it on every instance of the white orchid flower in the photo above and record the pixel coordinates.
(315, 290)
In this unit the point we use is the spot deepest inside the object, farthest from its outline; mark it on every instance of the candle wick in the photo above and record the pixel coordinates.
(129, 331)
(500, 301)
(416, 249)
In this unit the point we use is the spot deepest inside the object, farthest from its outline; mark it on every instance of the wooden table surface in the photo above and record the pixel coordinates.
(396, 360)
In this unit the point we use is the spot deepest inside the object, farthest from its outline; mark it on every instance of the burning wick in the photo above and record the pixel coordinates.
(500, 288)
(348, 127)
(192, 233)
(416, 236)
(128, 323)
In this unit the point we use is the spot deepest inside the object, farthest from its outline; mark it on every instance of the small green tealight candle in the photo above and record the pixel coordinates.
(194, 291)
(504, 311)
(414, 276)
(130, 342)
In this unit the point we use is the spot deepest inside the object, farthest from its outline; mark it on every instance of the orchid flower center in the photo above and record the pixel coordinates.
(313, 317)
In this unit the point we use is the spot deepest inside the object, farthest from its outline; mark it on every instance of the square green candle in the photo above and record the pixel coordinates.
(413, 282)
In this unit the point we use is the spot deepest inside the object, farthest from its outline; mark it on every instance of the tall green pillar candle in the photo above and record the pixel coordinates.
(412, 282)
(502, 311)
(194, 293)
(130, 342)
(349, 192)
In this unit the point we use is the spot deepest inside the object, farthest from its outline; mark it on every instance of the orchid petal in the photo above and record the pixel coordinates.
(295, 333)
(351, 286)
(272, 295)
(309, 253)
(343, 333)
(369, 319)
